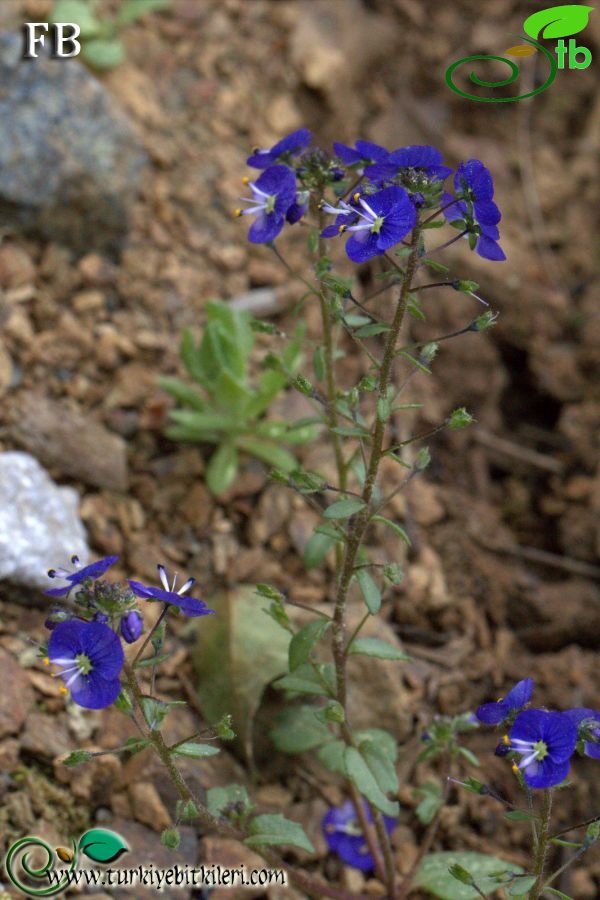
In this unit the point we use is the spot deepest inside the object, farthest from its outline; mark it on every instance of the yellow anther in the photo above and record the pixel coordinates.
(342, 229)
(245, 180)
(63, 690)
(356, 196)
(515, 769)
(237, 212)
(46, 660)
(506, 740)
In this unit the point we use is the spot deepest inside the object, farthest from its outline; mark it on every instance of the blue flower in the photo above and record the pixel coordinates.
(474, 205)
(517, 698)
(344, 836)
(365, 152)
(546, 742)
(93, 571)
(587, 722)
(298, 207)
(189, 606)
(91, 657)
(131, 626)
(273, 193)
(415, 161)
(283, 150)
(377, 222)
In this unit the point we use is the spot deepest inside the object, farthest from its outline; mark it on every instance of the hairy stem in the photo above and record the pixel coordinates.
(313, 886)
(541, 848)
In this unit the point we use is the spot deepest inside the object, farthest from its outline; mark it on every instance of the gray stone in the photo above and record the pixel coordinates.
(39, 522)
(70, 162)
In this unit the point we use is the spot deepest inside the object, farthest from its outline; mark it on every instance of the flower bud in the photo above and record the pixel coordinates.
(131, 626)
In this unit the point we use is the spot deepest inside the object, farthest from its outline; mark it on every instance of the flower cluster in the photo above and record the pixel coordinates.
(541, 742)
(379, 194)
(86, 643)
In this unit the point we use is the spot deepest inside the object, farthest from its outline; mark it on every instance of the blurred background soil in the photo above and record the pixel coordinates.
(501, 582)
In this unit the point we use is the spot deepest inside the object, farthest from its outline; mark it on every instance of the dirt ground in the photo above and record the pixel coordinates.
(502, 579)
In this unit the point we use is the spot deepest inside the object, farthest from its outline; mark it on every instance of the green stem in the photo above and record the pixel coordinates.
(328, 362)
(313, 886)
(361, 521)
(150, 633)
(541, 848)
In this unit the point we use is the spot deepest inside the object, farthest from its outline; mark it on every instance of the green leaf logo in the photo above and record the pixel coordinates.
(558, 21)
(102, 845)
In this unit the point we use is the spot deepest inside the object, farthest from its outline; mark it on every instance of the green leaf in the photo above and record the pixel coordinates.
(203, 423)
(170, 837)
(154, 711)
(557, 893)
(189, 356)
(520, 815)
(332, 756)
(135, 745)
(268, 452)
(414, 309)
(343, 509)
(316, 549)
(301, 433)
(319, 363)
(222, 469)
(102, 845)
(416, 362)
(276, 829)
(303, 642)
(558, 21)
(79, 11)
(381, 764)
(195, 751)
(369, 590)
(521, 886)
(76, 758)
(131, 10)
(297, 730)
(372, 329)
(351, 431)
(488, 872)
(152, 660)
(239, 651)
(436, 266)
(182, 392)
(103, 54)
(376, 647)
(220, 800)
(384, 409)
(306, 680)
(360, 774)
(431, 802)
(468, 755)
(397, 529)
(380, 737)
(232, 394)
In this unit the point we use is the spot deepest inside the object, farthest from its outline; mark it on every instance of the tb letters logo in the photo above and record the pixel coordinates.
(63, 39)
(555, 22)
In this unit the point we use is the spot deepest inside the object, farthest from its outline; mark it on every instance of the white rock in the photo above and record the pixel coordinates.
(40, 526)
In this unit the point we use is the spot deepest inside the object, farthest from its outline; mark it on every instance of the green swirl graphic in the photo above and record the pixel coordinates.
(24, 845)
(494, 84)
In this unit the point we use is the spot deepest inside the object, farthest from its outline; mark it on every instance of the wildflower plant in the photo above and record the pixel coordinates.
(385, 207)
(229, 409)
